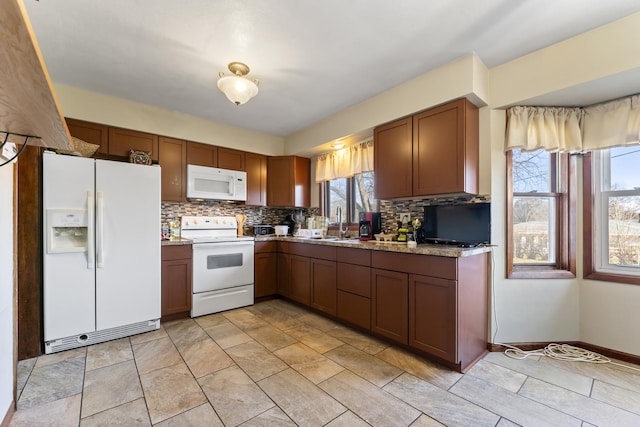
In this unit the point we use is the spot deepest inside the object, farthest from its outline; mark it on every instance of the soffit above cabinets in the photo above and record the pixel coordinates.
(27, 103)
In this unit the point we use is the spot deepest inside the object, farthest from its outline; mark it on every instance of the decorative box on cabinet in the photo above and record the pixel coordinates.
(265, 269)
(123, 140)
(288, 181)
(176, 281)
(90, 132)
(172, 158)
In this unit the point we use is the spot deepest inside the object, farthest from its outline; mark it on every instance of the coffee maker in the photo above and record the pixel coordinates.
(370, 224)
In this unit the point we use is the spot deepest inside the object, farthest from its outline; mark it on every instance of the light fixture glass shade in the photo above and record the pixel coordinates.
(238, 89)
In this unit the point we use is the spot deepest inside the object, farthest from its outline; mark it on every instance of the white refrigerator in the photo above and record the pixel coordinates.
(101, 250)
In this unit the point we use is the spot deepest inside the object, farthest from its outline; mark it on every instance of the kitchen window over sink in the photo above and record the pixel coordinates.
(346, 178)
(352, 195)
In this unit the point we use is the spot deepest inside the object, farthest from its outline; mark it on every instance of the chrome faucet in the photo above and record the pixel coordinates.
(342, 233)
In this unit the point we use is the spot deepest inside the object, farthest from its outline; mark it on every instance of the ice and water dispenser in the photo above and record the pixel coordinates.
(67, 230)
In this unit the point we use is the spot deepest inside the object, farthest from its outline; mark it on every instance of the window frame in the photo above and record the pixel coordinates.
(565, 220)
(352, 221)
(590, 233)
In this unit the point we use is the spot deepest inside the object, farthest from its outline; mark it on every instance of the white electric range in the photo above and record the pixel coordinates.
(222, 275)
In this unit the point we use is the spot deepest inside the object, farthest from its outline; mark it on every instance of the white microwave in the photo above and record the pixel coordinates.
(215, 183)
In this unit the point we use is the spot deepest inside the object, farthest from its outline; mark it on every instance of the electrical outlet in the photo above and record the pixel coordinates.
(404, 217)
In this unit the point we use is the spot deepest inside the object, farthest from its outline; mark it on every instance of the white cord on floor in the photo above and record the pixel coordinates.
(564, 352)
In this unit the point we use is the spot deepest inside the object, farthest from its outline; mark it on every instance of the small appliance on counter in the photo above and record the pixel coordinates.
(370, 224)
(290, 223)
(262, 229)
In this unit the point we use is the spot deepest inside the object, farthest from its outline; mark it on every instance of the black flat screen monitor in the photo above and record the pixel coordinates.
(467, 224)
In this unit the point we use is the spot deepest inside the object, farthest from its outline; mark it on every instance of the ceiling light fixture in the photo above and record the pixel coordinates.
(337, 145)
(238, 88)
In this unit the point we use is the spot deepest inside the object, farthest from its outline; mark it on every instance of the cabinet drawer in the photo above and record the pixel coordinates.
(263, 247)
(426, 265)
(176, 252)
(355, 279)
(283, 247)
(354, 256)
(313, 251)
(354, 309)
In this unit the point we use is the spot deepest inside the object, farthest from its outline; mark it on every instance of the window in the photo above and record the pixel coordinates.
(612, 215)
(353, 195)
(540, 215)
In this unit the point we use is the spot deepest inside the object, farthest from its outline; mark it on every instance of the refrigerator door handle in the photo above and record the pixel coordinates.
(99, 229)
(91, 244)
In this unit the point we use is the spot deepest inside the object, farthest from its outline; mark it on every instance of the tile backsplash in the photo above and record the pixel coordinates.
(256, 215)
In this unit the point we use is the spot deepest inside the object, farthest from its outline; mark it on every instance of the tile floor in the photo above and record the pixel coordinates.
(276, 364)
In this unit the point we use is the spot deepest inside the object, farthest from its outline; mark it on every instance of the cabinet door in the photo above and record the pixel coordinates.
(202, 154)
(354, 309)
(90, 132)
(299, 280)
(176, 286)
(265, 270)
(284, 274)
(432, 316)
(323, 285)
(445, 149)
(256, 166)
(123, 140)
(230, 159)
(393, 159)
(288, 181)
(389, 304)
(355, 279)
(173, 162)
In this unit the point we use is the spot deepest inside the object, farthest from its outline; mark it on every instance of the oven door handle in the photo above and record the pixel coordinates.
(220, 245)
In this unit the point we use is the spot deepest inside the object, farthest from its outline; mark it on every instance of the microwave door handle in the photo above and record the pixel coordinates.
(232, 186)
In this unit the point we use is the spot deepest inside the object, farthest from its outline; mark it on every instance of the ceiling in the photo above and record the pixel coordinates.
(313, 58)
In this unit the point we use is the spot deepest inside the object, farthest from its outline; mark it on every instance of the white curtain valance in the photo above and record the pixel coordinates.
(549, 128)
(610, 124)
(346, 162)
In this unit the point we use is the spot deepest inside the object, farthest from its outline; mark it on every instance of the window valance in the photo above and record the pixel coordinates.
(610, 124)
(346, 162)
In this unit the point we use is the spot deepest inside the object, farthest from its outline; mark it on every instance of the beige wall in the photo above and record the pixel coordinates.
(95, 107)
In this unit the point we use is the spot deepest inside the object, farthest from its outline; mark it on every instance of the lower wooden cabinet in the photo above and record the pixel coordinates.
(432, 316)
(389, 304)
(323, 285)
(299, 279)
(354, 286)
(176, 281)
(265, 269)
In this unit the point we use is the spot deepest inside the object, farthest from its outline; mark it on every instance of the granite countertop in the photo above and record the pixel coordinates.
(175, 242)
(437, 250)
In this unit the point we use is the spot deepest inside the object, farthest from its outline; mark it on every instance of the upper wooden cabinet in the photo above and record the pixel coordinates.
(430, 153)
(231, 159)
(256, 167)
(288, 181)
(173, 162)
(392, 159)
(445, 149)
(90, 132)
(123, 140)
(202, 154)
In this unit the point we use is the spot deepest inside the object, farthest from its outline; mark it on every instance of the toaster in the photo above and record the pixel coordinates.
(262, 229)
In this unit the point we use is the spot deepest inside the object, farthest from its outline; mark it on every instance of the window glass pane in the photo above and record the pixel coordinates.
(533, 230)
(624, 231)
(624, 168)
(532, 171)
(337, 190)
(363, 191)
